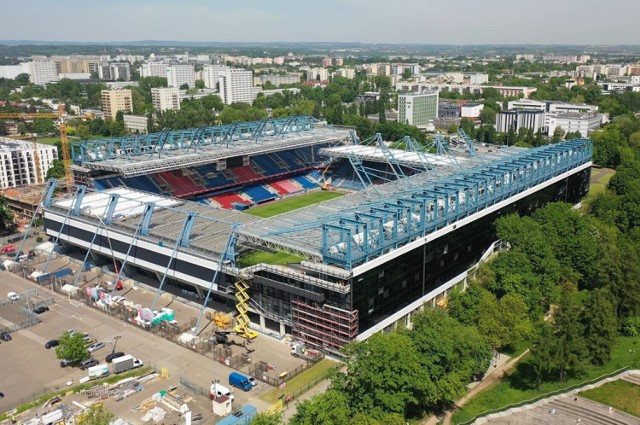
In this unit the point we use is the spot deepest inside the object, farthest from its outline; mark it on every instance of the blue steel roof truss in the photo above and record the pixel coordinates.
(356, 238)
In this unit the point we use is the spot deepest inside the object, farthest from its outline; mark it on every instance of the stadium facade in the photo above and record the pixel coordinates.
(411, 222)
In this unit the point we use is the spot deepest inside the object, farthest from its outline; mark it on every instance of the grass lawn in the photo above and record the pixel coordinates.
(620, 395)
(311, 375)
(291, 204)
(48, 140)
(599, 180)
(518, 387)
(258, 257)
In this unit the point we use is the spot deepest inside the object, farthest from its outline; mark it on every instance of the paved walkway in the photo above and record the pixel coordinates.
(493, 377)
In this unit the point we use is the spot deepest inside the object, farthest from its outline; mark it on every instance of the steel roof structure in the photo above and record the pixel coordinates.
(155, 218)
(169, 150)
(356, 228)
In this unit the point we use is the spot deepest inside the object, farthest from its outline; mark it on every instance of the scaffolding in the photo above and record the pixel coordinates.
(325, 327)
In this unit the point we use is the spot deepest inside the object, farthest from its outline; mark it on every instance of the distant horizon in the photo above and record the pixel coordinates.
(419, 22)
(20, 42)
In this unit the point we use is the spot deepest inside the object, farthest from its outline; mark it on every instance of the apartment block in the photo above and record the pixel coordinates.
(136, 124)
(165, 98)
(114, 101)
(236, 85)
(18, 162)
(179, 75)
(153, 69)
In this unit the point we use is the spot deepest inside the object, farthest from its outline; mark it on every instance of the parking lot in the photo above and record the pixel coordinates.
(35, 370)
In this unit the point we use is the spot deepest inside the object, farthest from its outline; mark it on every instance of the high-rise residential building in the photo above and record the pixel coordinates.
(418, 108)
(165, 98)
(326, 62)
(18, 163)
(114, 101)
(79, 64)
(236, 85)
(211, 74)
(314, 74)
(42, 72)
(339, 61)
(179, 75)
(120, 71)
(153, 69)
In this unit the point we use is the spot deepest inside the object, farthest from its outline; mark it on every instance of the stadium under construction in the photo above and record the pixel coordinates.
(413, 219)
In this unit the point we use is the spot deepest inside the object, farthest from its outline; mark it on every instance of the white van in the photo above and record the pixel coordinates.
(13, 296)
(219, 390)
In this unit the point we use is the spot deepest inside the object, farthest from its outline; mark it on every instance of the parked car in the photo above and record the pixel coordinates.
(70, 332)
(51, 344)
(95, 346)
(112, 356)
(41, 309)
(5, 336)
(8, 249)
(13, 296)
(67, 363)
(254, 381)
(86, 364)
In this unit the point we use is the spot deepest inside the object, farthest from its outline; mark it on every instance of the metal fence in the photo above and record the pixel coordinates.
(194, 387)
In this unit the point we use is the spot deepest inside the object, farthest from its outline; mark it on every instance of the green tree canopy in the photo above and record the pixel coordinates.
(72, 348)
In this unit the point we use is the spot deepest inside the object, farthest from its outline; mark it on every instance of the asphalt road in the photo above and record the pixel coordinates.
(29, 368)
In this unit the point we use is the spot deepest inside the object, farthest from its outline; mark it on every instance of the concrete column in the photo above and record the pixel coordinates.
(263, 325)
(282, 328)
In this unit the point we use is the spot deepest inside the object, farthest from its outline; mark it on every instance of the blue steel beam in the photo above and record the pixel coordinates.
(154, 144)
(442, 203)
(111, 207)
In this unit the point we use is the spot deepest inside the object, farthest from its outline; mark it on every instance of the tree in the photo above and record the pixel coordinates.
(95, 415)
(329, 408)
(558, 135)
(504, 322)
(72, 348)
(6, 215)
(56, 171)
(569, 350)
(542, 355)
(449, 353)
(406, 74)
(600, 325)
(185, 86)
(199, 84)
(383, 375)
(266, 419)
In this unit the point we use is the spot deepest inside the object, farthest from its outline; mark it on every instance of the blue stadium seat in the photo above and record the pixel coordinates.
(145, 183)
(259, 194)
(305, 183)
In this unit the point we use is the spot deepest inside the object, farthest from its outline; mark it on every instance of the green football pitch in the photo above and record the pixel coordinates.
(290, 204)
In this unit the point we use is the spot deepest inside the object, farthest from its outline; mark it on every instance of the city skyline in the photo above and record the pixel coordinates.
(367, 21)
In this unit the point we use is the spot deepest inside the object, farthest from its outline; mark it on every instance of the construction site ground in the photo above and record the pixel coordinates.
(34, 369)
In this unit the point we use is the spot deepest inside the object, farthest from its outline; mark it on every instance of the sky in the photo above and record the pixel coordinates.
(367, 21)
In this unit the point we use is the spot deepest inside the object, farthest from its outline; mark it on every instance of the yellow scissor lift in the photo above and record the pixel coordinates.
(242, 328)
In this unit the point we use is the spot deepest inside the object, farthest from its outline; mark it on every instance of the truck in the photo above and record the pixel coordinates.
(98, 371)
(219, 390)
(241, 381)
(299, 350)
(125, 363)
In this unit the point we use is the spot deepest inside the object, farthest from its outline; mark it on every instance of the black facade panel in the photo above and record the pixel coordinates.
(150, 256)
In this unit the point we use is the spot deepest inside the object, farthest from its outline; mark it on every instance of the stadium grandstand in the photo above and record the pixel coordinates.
(181, 206)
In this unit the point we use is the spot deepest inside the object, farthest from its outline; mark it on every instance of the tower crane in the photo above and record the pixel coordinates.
(66, 155)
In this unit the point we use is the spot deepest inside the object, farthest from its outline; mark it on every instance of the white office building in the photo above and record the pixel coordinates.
(165, 98)
(179, 75)
(519, 118)
(418, 109)
(135, 124)
(153, 69)
(534, 105)
(18, 162)
(236, 85)
(572, 122)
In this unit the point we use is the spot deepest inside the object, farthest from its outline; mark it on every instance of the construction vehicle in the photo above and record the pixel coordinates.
(299, 350)
(66, 155)
(222, 320)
